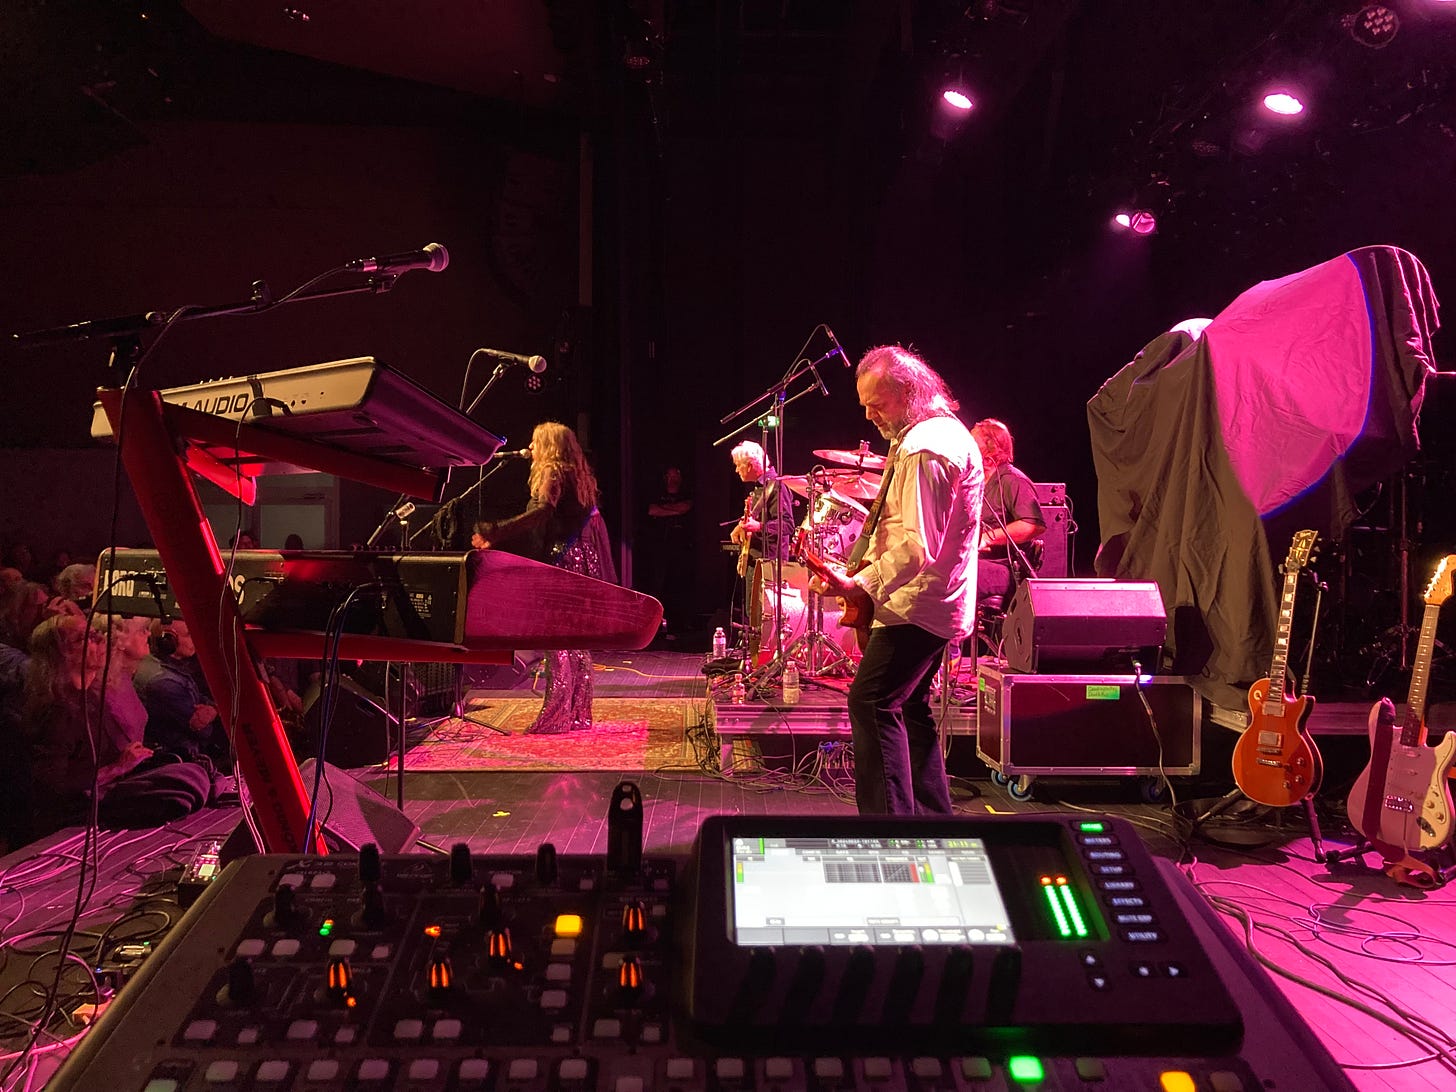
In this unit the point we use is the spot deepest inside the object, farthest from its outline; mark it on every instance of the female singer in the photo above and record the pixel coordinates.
(560, 526)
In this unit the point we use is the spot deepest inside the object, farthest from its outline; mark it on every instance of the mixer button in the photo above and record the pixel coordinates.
(424, 1069)
(829, 1070)
(1224, 1080)
(629, 1083)
(322, 1069)
(1142, 936)
(374, 1069)
(1127, 901)
(1134, 919)
(1176, 1080)
(651, 1033)
(521, 1069)
(303, 1029)
(662, 883)
(976, 1068)
(553, 999)
(273, 1071)
(1105, 855)
(659, 910)
(607, 1028)
(563, 946)
(285, 948)
(878, 1069)
(680, 1069)
(502, 880)
(222, 1071)
(558, 972)
(1099, 982)
(1090, 959)
(250, 948)
(447, 1030)
(409, 1030)
(1091, 1069)
(341, 948)
(1118, 885)
(561, 1033)
(778, 1069)
(380, 951)
(586, 883)
(1173, 970)
(928, 1069)
(1143, 969)
(162, 1084)
(249, 1035)
(200, 1031)
(729, 1069)
(345, 1035)
(573, 1069)
(323, 881)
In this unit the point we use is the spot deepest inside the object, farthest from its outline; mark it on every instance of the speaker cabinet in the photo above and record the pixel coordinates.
(1056, 562)
(362, 732)
(1084, 625)
(350, 813)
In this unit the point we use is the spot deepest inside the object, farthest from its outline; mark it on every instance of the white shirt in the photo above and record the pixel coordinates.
(921, 560)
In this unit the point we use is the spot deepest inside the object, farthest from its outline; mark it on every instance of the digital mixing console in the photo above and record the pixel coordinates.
(933, 955)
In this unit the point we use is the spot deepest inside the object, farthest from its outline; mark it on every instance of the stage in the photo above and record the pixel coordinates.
(1361, 957)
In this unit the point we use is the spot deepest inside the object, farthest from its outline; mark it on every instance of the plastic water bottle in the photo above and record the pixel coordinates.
(790, 681)
(720, 643)
(739, 693)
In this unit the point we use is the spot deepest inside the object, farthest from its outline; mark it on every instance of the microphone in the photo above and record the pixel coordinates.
(838, 348)
(523, 453)
(433, 257)
(536, 363)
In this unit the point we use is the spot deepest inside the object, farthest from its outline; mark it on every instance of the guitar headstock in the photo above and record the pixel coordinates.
(1301, 550)
(1439, 589)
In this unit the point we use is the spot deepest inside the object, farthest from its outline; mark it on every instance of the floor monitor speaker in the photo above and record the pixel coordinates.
(1084, 625)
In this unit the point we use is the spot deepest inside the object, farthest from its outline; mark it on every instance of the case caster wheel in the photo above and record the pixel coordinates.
(1152, 790)
(1020, 789)
(999, 779)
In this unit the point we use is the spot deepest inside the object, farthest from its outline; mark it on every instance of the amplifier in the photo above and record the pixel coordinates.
(1086, 724)
(416, 596)
(1051, 493)
(1056, 558)
(1084, 625)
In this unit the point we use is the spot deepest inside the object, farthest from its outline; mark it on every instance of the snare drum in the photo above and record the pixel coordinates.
(837, 522)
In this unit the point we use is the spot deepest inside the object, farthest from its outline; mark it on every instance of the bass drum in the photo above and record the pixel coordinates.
(837, 521)
(792, 605)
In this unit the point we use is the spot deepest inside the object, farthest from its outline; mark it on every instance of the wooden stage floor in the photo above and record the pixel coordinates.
(1369, 963)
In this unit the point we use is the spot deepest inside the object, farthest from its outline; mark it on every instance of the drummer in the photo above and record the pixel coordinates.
(768, 515)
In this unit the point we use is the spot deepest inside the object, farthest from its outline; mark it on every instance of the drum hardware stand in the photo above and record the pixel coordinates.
(760, 679)
(814, 640)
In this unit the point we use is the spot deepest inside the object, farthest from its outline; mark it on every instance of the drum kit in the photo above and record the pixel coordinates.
(838, 498)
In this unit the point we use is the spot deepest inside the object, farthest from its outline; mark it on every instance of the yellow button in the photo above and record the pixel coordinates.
(1175, 1080)
(568, 925)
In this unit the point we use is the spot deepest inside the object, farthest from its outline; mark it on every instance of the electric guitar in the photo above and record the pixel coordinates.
(1401, 801)
(855, 614)
(747, 539)
(1275, 760)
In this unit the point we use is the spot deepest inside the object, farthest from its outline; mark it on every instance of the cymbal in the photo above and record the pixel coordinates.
(860, 487)
(849, 483)
(864, 458)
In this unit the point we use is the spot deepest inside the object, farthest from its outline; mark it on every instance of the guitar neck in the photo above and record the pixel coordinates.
(1279, 666)
(1415, 707)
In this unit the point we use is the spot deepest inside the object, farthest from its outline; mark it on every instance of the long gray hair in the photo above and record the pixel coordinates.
(926, 394)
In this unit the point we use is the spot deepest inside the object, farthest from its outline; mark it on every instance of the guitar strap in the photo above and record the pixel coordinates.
(862, 544)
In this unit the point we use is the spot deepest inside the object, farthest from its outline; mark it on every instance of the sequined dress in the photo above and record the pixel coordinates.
(570, 537)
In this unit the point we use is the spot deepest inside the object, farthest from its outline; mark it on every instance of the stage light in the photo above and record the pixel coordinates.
(1374, 25)
(957, 99)
(1283, 103)
(1138, 221)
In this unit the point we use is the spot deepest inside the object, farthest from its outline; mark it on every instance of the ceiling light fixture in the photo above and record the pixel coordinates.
(1374, 25)
(1283, 103)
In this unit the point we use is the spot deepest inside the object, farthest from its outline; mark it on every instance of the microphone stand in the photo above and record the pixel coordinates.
(447, 509)
(495, 374)
(758, 681)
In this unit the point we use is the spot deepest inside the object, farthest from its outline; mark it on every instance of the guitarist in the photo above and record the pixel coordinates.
(764, 531)
(914, 570)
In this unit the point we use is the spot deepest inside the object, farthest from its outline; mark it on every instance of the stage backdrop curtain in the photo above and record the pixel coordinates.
(1219, 441)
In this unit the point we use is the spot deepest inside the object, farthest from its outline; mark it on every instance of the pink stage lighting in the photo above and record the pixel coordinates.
(1140, 221)
(1283, 103)
(957, 99)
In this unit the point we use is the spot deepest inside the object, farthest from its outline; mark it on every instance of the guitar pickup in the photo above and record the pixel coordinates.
(1399, 803)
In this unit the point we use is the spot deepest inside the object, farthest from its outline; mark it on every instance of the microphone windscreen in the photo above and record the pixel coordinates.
(439, 257)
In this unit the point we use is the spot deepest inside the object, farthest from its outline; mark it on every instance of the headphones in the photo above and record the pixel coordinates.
(163, 642)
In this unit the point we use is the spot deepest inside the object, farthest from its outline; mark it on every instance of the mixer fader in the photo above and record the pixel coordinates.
(1045, 952)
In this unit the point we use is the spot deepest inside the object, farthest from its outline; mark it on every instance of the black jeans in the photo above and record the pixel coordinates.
(898, 766)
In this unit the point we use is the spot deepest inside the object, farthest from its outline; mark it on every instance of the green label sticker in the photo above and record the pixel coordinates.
(1103, 691)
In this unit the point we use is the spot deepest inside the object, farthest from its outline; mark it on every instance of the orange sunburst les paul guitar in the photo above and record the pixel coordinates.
(1401, 802)
(855, 614)
(1275, 760)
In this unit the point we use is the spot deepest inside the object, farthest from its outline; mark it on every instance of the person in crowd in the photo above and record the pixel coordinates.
(80, 755)
(912, 574)
(560, 526)
(1011, 516)
(669, 552)
(76, 583)
(130, 644)
(181, 718)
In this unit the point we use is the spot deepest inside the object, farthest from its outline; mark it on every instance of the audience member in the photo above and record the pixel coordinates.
(181, 718)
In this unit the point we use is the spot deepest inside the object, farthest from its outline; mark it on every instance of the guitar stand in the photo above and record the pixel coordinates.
(1316, 837)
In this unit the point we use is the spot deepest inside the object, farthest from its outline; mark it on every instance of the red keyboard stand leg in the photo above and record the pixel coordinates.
(173, 513)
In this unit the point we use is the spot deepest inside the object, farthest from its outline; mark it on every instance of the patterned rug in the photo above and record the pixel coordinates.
(635, 734)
